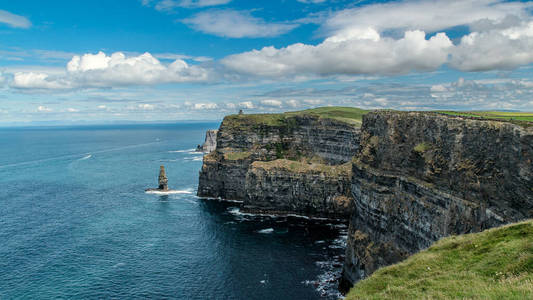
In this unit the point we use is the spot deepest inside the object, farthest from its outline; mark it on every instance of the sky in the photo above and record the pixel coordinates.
(100, 61)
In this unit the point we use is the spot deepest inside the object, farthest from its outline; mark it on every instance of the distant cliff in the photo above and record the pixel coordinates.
(210, 143)
(285, 163)
(419, 177)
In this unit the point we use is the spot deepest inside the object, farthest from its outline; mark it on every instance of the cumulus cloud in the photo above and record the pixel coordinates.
(495, 49)
(101, 70)
(365, 53)
(368, 41)
(247, 104)
(13, 20)
(236, 24)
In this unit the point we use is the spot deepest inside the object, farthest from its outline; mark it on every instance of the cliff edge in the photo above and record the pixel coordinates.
(422, 176)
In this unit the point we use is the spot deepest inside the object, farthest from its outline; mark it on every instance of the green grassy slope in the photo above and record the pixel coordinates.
(520, 118)
(494, 264)
(349, 115)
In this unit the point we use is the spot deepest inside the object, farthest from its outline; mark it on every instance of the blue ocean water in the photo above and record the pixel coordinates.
(75, 223)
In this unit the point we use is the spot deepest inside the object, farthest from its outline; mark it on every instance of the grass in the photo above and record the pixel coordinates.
(237, 155)
(494, 264)
(421, 148)
(304, 167)
(520, 118)
(350, 115)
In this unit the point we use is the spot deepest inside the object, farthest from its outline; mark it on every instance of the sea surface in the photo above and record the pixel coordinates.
(75, 223)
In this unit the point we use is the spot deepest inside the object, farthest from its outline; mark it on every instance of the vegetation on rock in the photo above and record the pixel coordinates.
(493, 264)
(237, 155)
(304, 167)
(520, 118)
(350, 115)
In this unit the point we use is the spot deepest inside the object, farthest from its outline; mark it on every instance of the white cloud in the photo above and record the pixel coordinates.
(293, 103)
(102, 107)
(13, 20)
(100, 70)
(429, 16)
(366, 53)
(495, 49)
(236, 24)
(33, 80)
(165, 5)
(72, 110)
(367, 41)
(438, 88)
(204, 106)
(44, 109)
(246, 104)
(146, 106)
(271, 102)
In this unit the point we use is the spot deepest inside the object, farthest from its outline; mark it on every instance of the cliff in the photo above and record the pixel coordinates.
(302, 188)
(255, 153)
(210, 143)
(421, 176)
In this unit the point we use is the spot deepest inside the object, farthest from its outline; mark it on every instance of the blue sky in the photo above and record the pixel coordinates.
(157, 60)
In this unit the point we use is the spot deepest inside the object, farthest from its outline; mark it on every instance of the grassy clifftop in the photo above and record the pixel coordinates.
(349, 115)
(494, 264)
(520, 118)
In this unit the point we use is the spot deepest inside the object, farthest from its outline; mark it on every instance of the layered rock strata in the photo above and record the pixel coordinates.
(250, 149)
(419, 177)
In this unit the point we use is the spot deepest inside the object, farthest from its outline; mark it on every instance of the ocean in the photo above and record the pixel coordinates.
(75, 223)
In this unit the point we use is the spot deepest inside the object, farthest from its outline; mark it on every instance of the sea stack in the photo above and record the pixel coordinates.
(163, 180)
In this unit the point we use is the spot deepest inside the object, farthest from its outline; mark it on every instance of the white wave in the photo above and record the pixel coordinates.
(268, 230)
(196, 158)
(86, 157)
(170, 192)
(182, 151)
(221, 200)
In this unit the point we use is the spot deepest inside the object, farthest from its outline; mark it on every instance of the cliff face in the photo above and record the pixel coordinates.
(210, 143)
(419, 177)
(307, 189)
(234, 172)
